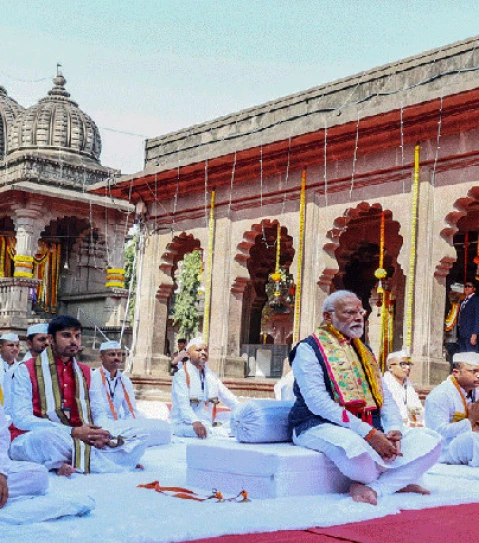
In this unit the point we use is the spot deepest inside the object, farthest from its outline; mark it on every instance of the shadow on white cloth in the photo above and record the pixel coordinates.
(51, 506)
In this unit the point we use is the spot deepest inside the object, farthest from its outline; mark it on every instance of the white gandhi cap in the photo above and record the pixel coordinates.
(9, 337)
(470, 358)
(109, 345)
(37, 329)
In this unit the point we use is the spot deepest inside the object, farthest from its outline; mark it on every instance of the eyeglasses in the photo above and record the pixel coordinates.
(468, 286)
(474, 372)
(402, 364)
(352, 312)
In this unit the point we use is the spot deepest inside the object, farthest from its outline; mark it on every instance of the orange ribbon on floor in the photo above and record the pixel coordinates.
(187, 494)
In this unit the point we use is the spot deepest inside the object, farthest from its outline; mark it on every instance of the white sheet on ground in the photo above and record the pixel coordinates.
(124, 512)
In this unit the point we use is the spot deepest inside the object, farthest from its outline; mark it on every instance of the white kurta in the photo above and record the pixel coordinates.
(406, 399)
(158, 431)
(184, 413)
(23, 478)
(343, 441)
(283, 389)
(50, 443)
(460, 443)
(7, 389)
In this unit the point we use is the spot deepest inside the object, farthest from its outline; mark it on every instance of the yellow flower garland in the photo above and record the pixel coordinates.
(297, 300)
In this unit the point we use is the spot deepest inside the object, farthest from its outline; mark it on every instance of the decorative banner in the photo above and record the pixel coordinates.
(115, 278)
(412, 254)
(297, 300)
(47, 270)
(7, 253)
(209, 265)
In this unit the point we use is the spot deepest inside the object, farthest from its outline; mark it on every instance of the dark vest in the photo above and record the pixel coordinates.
(300, 417)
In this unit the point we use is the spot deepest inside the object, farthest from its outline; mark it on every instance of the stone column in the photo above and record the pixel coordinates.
(15, 292)
(234, 364)
(151, 313)
(429, 296)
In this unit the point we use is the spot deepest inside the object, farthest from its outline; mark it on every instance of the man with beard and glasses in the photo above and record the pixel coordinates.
(344, 409)
(195, 394)
(58, 415)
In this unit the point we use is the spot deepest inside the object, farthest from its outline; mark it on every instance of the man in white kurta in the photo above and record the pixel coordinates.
(358, 426)
(119, 398)
(9, 349)
(453, 412)
(18, 478)
(402, 390)
(37, 340)
(58, 414)
(195, 394)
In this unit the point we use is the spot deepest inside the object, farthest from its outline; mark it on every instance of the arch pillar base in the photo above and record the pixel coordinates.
(235, 366)
(429, 371)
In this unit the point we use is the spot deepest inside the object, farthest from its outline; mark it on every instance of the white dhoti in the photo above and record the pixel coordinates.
(157, 432)
(183, 429)
(26, 479)
(358, 461)
(463, 449)
(53, 449)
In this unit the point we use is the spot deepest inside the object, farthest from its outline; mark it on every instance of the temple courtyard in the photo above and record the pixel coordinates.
(113, 509)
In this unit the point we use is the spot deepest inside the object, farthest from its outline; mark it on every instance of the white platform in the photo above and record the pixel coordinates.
(265, 470)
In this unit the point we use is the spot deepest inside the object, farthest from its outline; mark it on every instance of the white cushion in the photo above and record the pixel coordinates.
(267, 470)
(262, 421)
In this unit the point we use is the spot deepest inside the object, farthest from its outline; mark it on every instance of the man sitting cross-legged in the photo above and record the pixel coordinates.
(9, 349)
(195, 393)
(344, 410)
(119, 398)
(17, 478)
(58, 414)
(452, 410)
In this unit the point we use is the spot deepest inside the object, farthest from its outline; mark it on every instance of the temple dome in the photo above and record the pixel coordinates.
(56, 123)
(9, 111)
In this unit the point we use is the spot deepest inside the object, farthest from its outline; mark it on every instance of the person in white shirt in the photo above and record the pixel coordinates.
(195, 394)
(37, 340)
(397, 380)
(17, 478)
(453, 412)
(9, 349)
(119, 398)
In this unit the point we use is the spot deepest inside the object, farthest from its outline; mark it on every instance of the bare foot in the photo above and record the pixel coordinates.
(362, 493)
(417, 489)
(66, 470)
(140, 466)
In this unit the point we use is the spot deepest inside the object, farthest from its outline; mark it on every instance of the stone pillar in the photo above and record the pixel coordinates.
(151, 313)
(430, 367)
(234, 364)
(115, 273)
(15, 300)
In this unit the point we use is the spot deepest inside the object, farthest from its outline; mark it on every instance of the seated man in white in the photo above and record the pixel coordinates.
(9, 349)
(58, 414)
(37, 340)
(406, 398)
(195, 394)
(119, 398)
(344, 410)
(17, 478)
(452, 410)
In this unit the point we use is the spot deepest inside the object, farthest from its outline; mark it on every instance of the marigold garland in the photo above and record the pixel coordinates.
(297, 299)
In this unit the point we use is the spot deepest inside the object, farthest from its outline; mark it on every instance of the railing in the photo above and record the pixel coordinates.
(90, 320)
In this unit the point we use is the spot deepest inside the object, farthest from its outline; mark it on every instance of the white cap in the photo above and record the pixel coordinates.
(10, 337)
(397, 355)
(37, 329)
(470, 358)
(109, 345)
(195, 341)
(457, 287)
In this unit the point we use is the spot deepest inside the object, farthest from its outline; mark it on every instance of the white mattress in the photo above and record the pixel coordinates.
(267, 470)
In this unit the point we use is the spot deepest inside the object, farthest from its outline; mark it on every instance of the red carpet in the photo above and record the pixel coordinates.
(451, 524)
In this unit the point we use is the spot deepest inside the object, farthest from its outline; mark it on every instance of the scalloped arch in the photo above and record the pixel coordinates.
(175, 250)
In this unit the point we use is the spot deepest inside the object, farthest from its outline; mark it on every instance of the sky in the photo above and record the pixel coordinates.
(143, 68)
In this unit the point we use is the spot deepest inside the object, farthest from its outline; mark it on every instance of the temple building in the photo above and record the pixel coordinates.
(369, 183)
(61, 247)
